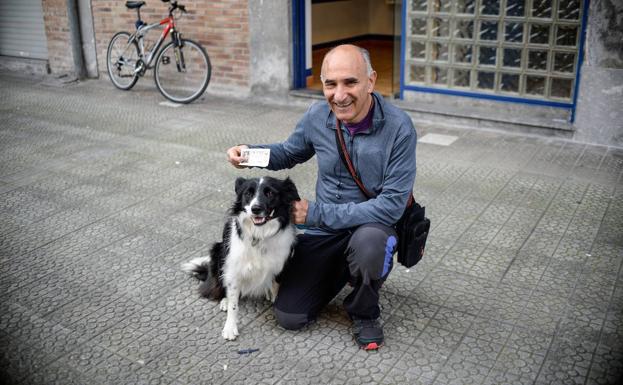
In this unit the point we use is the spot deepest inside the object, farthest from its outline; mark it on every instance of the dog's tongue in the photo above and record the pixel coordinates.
(259, 220)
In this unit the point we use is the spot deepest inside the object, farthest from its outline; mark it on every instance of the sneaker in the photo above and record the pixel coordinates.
(368, 333)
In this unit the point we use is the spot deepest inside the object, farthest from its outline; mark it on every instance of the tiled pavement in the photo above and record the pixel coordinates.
(104, 193)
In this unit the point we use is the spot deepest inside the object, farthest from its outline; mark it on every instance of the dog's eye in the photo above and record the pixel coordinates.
(250, 192)
(268, 193)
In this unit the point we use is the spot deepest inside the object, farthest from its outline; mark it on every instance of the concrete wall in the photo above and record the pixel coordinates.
(599, 114)
(87, 38)
(270, 47)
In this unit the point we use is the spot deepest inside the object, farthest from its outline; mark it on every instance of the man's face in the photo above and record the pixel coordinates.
(347, 86)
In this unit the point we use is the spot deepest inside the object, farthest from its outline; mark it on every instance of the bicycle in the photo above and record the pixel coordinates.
(180, 80)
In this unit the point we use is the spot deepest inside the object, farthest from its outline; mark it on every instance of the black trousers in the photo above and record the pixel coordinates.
(323, 264)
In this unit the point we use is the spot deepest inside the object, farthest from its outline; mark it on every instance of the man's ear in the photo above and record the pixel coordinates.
(290, 191)
(371, 82)
(239, 183)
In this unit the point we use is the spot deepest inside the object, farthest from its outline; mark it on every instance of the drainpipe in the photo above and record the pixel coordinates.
(87, 36)
(76, 41)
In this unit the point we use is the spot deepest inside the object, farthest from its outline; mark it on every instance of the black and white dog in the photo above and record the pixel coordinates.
(258, 238)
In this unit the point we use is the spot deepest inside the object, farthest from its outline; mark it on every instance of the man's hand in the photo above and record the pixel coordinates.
(299, 211)
(233, 155)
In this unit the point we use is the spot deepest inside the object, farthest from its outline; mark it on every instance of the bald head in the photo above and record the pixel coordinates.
(347, 52)
(348, 82)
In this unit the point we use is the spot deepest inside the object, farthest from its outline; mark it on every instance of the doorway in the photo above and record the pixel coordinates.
(370, 24)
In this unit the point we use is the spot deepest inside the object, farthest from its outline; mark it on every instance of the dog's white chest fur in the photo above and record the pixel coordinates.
(257, 256)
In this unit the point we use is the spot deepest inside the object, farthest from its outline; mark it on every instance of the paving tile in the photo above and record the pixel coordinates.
(57, 373)
(607, 362)
(465, 302)
(507, 312)
(510, 236)
(497, 213)
(530, 340)
(596, 377)
(399, 376)
(495, 377)
(462, 372)
(489, 271)
(356, 370)
(422, 364)
(519, 363)
(555, 372)
(450, 319)
(477, 351)
(18, 359)
(439, 340)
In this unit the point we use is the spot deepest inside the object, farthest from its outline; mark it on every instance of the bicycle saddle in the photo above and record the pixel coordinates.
(134, 4)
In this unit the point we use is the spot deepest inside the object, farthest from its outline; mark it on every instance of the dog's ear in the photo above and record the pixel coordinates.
(239, 183)
(290, 192)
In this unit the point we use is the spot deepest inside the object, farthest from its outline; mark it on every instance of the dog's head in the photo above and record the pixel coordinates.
(263, 199)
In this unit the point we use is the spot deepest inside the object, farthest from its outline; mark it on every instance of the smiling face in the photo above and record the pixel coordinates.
(346, 84)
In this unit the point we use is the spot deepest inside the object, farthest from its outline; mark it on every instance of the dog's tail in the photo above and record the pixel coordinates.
(198, 267)
(208, 271)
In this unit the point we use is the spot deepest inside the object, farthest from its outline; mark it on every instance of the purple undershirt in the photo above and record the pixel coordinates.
(364, 124)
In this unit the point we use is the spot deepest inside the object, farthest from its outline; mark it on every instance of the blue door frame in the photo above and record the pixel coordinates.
(298, 47)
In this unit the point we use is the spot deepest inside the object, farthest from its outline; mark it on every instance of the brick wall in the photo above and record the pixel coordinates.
(58, 36)
(221, 26)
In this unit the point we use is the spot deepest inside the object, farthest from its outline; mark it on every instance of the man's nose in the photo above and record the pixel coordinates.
(340, 93)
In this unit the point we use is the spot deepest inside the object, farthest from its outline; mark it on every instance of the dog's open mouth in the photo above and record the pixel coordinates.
(259, 220)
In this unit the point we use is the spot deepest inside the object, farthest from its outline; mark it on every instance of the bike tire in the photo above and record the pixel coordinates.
(124, 69)
(182, 86)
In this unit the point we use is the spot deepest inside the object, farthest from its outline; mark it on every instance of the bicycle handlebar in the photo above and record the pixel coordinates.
(174, 5)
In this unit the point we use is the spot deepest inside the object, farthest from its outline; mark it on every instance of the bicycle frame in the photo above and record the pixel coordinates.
(169, 24)
(147, 57)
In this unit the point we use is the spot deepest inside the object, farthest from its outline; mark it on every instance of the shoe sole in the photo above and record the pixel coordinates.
(371, 346)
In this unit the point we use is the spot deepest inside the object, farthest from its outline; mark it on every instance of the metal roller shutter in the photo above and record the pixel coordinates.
(22, 32)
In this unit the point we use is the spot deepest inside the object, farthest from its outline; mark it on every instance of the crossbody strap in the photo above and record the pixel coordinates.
(341, 149)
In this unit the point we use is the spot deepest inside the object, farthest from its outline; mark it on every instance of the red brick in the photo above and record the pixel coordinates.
(222, 27)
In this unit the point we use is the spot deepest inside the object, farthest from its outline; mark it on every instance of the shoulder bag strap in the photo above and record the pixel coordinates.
(341, 149)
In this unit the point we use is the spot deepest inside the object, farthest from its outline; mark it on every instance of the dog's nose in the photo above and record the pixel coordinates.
(256, 210)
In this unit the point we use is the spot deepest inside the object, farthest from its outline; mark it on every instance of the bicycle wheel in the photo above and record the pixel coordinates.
(182, 78)
(121, 59)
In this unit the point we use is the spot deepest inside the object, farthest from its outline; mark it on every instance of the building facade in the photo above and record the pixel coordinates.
(549, 66)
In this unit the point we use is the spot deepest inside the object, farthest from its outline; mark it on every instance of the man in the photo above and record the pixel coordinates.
(349, 239)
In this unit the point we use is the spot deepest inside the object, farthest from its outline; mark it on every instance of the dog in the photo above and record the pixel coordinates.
(258, 238)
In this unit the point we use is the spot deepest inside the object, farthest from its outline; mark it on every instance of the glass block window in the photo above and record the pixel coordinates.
(520, 48)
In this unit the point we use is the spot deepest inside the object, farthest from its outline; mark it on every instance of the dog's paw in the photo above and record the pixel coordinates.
(271, 293)
(230, 331)
(223, 304)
